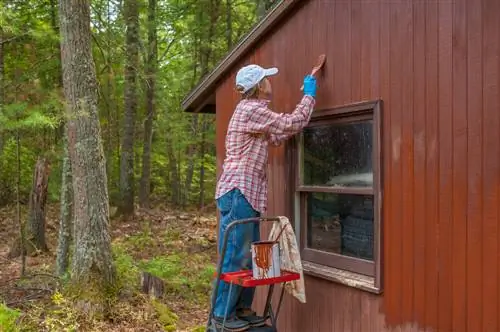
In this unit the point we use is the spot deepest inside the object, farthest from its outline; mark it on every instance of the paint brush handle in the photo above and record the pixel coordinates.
(313, 72)
(279, 234)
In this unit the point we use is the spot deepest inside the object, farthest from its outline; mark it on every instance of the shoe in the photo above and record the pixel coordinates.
(232, 324)
(251, 317)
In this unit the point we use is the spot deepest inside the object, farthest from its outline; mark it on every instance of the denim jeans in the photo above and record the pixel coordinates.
(234, 206)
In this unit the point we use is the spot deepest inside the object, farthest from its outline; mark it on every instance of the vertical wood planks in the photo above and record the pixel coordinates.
(474, 167)
(431, 171)
(318, 12)
(436, 65)
(395, 107)
(491, 167)
(368, 18)
(356, 29)
(498, 184)
(341, 45)
(356, 38)
(419, 158)
(390, 304)
(407, 162)
(445, 224)
(459, 197)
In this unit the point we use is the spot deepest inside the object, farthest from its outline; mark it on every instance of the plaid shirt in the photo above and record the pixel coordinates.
(252, 127)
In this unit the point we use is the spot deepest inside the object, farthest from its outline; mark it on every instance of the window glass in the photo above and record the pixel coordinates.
(340, 223)
(338, 155)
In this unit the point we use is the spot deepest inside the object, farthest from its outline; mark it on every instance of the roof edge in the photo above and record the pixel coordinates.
(195, 99)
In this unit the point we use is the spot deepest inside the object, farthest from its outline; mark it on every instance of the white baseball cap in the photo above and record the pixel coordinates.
(249, 76)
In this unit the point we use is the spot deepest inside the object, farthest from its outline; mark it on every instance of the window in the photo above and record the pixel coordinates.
(337, 192)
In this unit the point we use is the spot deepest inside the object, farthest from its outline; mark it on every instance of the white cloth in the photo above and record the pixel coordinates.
(290, 256)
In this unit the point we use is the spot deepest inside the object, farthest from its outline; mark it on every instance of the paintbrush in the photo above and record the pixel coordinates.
(319, 65)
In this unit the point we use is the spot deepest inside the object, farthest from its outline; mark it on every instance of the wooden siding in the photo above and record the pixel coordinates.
(435, 65)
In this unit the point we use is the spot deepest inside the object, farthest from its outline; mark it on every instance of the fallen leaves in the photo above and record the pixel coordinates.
(156, 232)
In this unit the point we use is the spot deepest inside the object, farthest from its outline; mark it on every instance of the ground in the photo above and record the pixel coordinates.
(176, 246)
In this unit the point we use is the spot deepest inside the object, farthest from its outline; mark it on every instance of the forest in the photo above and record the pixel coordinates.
(107, 217)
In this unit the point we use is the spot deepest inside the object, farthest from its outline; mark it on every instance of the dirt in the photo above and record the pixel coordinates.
(188, 232)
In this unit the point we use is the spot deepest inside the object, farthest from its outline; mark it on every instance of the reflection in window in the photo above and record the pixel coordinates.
(338, 155)
(341, 224)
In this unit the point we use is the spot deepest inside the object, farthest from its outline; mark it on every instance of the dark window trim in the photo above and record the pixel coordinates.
(349, 113)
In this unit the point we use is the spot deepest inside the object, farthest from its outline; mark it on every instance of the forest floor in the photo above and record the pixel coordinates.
(177, 246)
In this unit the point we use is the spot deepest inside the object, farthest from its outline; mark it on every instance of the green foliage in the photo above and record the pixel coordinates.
(168, 268)
(8, 318)
(190, 42)
(8, 171)
(19, 116)
(199, 329)
(167, 318)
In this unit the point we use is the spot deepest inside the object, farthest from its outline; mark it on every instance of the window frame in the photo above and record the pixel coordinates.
(370, 110)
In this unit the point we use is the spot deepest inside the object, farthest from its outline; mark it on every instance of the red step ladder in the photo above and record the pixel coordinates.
(245, 278)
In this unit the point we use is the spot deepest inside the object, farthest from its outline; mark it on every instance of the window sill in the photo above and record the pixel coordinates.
(347, 278)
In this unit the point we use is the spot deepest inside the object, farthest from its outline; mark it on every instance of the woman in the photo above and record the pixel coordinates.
(242, 188)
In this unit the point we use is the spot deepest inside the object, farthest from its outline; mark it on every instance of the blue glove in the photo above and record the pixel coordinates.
(310, 86)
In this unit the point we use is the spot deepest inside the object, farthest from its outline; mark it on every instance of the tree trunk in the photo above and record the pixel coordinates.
(151, 65)
(205, 56)
(131, 65)
(152, 285)
(263, 7)
(58, 74)
(92, 264)
(35, 239)
(191, 159)
(2, 70)
(110, 107)
(229, 25)
(2, 84)
(173, 174)
(66, 213)
(202, 157)
(59, 131)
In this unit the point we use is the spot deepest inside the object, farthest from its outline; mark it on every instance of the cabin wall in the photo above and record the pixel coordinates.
(435, 65)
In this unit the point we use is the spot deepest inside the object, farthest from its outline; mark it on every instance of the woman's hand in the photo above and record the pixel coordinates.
(310, 86)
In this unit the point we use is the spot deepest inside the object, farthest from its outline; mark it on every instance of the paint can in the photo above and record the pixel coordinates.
(266, 259)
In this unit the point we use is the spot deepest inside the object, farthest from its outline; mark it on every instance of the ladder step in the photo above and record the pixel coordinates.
(266, 328)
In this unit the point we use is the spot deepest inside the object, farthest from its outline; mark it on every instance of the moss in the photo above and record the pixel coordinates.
(92, 298)
(186, 276)
(126, 270)
(166, 317)
(8, 318)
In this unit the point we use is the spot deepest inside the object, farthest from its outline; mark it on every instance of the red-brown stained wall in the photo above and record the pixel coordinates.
(436, 66)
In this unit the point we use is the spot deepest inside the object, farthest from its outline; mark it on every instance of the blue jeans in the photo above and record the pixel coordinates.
(234, 206)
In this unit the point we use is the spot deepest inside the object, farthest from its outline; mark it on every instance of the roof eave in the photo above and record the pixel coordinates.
(195, 100)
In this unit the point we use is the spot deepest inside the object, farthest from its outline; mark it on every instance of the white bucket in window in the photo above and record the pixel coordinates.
(266, 259)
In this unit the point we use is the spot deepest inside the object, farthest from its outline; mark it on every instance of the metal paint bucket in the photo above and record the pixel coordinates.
(266, 259)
